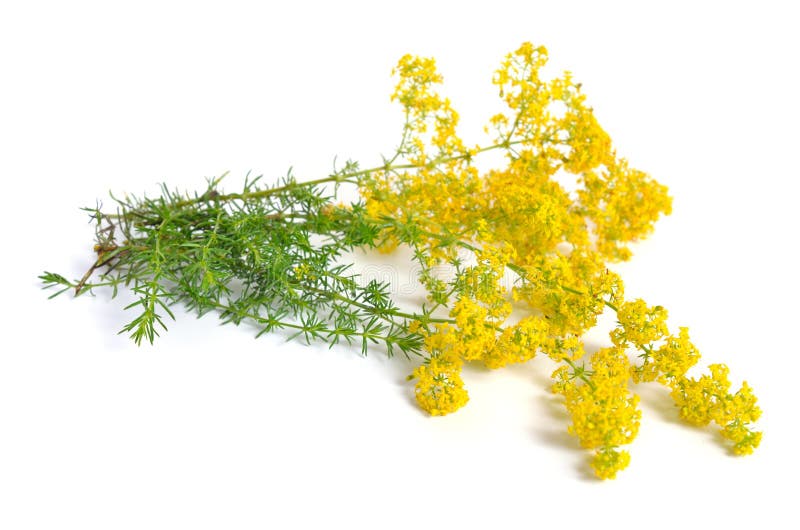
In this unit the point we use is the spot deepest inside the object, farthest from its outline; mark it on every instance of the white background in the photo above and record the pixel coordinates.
(210, 428)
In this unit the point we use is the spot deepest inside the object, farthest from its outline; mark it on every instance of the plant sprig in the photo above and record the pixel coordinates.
(274, 255)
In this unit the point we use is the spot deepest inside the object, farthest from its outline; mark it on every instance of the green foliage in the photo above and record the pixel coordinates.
(267, 255)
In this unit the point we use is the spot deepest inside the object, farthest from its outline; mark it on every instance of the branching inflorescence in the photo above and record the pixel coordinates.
(273, 256)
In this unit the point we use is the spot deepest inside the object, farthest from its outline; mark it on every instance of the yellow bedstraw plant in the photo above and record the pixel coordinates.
(251, 256)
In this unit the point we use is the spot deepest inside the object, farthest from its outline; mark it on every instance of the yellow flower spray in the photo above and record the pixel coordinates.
(558, 244)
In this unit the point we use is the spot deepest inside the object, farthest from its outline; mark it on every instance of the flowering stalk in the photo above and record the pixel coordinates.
(272, 255)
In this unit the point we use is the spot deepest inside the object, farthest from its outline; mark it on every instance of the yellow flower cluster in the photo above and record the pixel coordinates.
(528, 209)
(701, 401)
(603, 411)
(474, 328)
(519, 343)
(640, 325)
(571, 290)
(552, 121)
(520, 217)
(440, 389)
(426, 111)
(623, 204)
(550, 129)
(441, 181)
(477, 316)
(667, 362)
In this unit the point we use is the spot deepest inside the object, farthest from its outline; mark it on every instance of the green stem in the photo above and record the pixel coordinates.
(384, 314)
(279, 324)
(335, 178)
